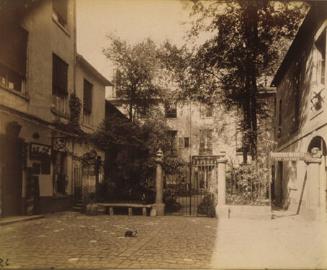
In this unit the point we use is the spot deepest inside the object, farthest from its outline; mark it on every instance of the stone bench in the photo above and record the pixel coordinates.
(109, 207)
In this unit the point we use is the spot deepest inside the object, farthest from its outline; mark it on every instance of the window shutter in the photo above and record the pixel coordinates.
(59, 76)
(13, 47)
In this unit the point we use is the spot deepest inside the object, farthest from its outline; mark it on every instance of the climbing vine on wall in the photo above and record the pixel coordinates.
(75, 107)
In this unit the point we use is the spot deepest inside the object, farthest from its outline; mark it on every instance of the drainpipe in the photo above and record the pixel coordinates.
(190, 158)
(74, 90)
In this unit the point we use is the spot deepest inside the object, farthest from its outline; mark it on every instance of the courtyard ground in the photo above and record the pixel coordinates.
(72, 240)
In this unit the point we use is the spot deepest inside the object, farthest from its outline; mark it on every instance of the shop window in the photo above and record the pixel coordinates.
(13, 54)
(171, 110)
(87, 97)
(60, 8)
(206, 142)
(59, 76)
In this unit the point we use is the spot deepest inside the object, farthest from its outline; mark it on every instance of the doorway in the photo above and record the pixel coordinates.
(11, 175)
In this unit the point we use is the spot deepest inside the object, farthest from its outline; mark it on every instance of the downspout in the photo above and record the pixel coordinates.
(74, 90)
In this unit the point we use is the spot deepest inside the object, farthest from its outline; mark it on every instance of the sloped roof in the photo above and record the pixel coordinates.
(81, 60)
(317, 12)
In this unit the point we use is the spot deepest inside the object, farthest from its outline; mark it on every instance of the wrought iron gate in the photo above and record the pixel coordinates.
(193, 192)
(78, 187)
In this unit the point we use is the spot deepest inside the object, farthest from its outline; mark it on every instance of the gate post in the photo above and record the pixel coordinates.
(220, 207)
(222, 182)
(313, 194)
(159, 205)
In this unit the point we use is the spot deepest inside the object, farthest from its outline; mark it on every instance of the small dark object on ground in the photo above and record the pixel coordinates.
(131, 233)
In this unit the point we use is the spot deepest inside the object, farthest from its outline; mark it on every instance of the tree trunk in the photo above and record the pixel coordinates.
(251, 41)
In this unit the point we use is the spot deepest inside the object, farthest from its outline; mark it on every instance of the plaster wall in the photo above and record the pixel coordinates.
(98, 98)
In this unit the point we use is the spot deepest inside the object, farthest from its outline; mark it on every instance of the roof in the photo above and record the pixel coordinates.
(305, 32)
(81, 60)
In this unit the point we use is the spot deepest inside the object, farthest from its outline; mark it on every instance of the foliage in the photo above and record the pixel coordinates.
(246, 38)
(132, 147)
(136, 73)
(207, 206)
(75, 109)
(171, 204)
(247, 184)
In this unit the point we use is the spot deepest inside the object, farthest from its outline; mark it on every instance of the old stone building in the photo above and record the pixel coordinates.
(301, 131)
(40, 72)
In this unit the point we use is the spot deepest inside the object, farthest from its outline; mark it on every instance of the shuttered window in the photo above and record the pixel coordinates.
(13, 48)
(87, 97)
(59, 76)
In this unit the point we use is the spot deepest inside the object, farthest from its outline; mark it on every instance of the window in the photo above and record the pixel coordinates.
(206, 111)
(59, 77)
(60, 10)
(321, 65)
(87, 97)
(186, 142)
(172, 137)
(171, 110)
(13, 53)
(205, 142)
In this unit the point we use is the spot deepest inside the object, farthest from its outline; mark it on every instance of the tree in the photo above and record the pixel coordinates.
(136, 145)
(245, 46)
(136, 73)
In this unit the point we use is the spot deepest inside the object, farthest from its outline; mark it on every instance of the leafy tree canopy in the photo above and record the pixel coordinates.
(245, 45)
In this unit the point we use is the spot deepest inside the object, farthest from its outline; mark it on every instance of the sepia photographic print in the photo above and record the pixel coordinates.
(163, 134)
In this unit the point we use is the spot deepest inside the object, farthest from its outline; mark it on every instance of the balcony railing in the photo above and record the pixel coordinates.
(60, 106)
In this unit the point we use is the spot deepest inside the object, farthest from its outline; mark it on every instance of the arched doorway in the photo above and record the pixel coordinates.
(319, 143)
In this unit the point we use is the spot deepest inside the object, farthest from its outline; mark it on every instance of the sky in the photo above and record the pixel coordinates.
(131, 20)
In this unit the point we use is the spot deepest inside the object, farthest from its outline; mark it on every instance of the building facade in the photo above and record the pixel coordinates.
(301, 119)
(38, 77)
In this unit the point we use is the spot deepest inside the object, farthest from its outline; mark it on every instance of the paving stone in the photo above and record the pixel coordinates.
(71, 240)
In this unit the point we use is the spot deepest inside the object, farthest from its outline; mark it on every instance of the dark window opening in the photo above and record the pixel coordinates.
(87, 97)
(171, 110)
(59, 77)
(186, 142)
(60, 8)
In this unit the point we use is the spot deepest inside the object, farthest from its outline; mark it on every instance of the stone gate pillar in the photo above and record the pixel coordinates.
(159, 205)
(312, 195)
(220, 207)
(222, 182)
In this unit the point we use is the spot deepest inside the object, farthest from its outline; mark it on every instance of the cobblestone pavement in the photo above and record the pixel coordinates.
(72, 240)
